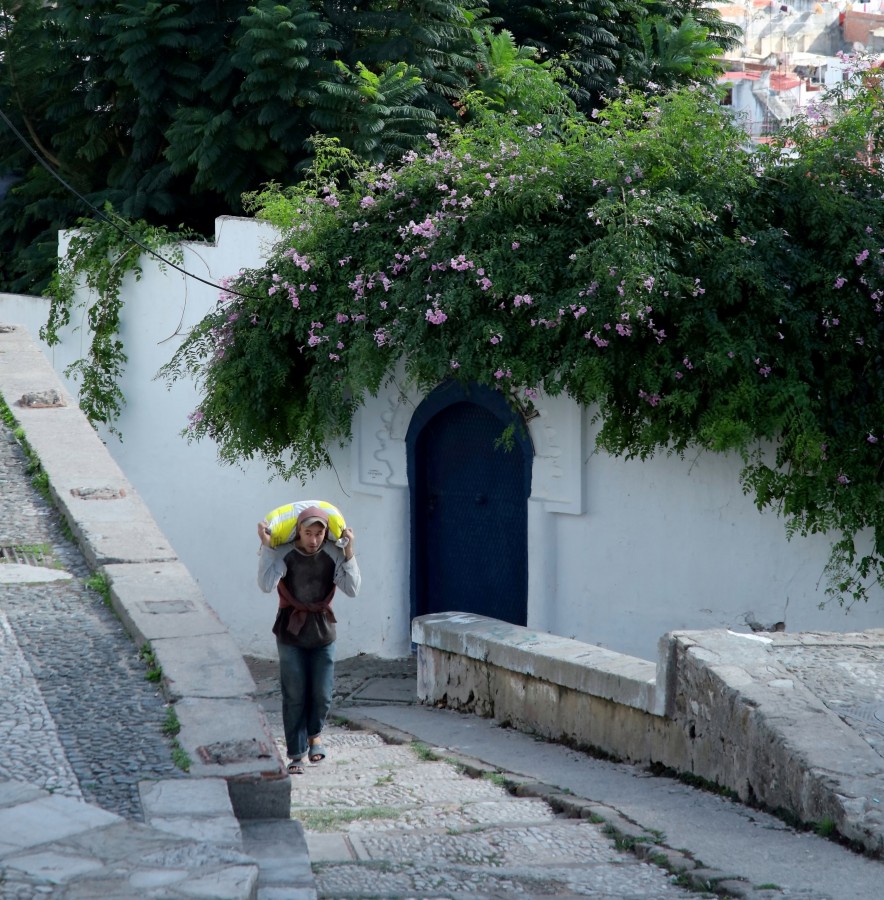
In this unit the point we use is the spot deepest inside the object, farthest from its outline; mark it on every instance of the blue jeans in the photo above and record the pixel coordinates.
(306, 678)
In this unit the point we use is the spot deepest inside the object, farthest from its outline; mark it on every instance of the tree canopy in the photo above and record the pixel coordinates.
(170, 111)
(696, 293)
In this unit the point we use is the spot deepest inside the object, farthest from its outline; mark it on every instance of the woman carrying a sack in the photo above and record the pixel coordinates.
(306, 573)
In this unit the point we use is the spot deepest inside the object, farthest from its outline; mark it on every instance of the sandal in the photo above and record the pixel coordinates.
(295, 767)
(316, 753)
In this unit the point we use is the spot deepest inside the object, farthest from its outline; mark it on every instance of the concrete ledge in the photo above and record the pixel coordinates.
(230, 739)
(556, 660)
(542, 684)
(202, 666)
(756, 729)
(160, 600)
(204, 675)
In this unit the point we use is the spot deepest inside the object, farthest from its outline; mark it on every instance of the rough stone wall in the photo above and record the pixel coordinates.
(549, 710)
(740, 734)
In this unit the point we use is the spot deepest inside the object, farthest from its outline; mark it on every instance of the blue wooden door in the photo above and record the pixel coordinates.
(469, 506)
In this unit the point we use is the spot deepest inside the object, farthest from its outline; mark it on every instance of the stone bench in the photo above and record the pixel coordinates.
(558, 688)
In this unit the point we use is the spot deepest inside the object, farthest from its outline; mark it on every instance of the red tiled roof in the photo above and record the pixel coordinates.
(783, 81)
(738, 76)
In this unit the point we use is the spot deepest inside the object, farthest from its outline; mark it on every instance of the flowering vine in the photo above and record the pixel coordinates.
(693, 293)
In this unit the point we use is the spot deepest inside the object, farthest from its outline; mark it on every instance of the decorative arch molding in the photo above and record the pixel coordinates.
(556, 432)
(450, 392)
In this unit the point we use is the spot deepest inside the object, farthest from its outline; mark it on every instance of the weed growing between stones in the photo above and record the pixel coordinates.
(424, 752)
(171, 727)
(825, 827)
(39, 478)
(694, 781)
(7, 416)
(497, 778)
(332, 819)
(154, 670)
(98, 582)
(179, 756)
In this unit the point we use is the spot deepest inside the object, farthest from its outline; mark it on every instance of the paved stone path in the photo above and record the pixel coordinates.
(400, 820)
(386, 820)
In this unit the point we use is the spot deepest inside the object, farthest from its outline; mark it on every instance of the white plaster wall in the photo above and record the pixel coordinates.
(671, 544)
(619, 552)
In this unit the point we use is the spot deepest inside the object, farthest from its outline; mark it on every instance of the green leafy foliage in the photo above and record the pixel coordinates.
(170, 111)
(99, 257)
(693, 293)
(374, 115)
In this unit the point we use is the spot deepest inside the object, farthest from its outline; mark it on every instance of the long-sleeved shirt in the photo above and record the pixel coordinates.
(306, 583)
(272, 567)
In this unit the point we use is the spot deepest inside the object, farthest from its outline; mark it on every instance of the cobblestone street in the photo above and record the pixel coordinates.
(406, 820)
(78, 716)
(385, 820)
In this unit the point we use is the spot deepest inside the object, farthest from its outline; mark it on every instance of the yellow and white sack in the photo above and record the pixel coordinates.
(283, 522)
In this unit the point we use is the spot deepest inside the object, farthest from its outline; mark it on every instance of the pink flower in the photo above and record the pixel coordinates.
(435, 316)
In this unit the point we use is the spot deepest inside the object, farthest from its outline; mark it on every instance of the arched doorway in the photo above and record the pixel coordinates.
(469, 530)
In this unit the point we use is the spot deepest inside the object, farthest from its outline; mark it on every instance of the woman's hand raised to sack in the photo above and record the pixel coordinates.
(264, 533)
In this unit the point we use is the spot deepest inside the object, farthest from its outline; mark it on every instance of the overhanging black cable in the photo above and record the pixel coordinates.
(110, 221)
